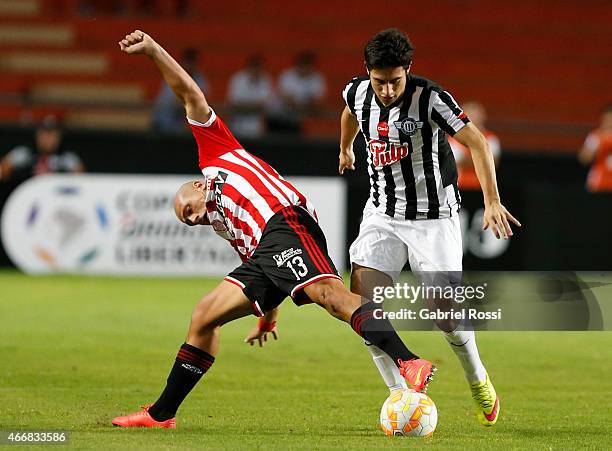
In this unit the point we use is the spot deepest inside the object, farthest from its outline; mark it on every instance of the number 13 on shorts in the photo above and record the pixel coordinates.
(297, 267)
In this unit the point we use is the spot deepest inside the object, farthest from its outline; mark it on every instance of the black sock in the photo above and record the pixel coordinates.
(190, 365)
(380, 332)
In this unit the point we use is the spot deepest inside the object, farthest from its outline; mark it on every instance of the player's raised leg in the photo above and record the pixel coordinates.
(332, 295)
(225, 303)
(319, 281)
(418, 372)
(376, 254)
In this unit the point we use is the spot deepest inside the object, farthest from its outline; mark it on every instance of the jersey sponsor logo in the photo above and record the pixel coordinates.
(285, 255)
(408, 126)
(219, 183)
(382, 128)
(219, 225)
(384, 154)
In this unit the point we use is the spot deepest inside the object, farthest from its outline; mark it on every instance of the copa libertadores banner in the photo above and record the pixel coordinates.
(125, 225)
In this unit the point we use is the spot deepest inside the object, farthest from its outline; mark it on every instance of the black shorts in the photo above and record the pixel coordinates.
(291, 255)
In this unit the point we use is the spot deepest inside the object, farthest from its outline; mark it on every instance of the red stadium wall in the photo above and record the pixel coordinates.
(542, 69)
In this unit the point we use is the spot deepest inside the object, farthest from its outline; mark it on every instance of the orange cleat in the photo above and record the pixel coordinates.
(417, 372)
(142, 419)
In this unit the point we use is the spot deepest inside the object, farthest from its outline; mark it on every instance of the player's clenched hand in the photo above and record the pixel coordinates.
(498, 218)
(347, 160)
(260, 333)
(137, 42)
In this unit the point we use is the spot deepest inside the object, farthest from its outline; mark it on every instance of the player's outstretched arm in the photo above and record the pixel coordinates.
(349, 127)
(183, 86)
(495, 215)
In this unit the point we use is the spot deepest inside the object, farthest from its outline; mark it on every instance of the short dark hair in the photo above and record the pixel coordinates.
(389, 48)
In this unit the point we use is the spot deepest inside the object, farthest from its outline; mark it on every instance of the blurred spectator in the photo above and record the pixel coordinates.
(248, 95)
(91, 8)
(467, 175)
(168, 112)
(301, 90)
(44, 157)
(597, 151)
(146, 8)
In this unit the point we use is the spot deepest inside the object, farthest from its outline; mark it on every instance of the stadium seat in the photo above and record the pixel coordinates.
(54, 62)
(88, 93)
(19, 8)
(108, 119)
(506, 58)
(36, 35)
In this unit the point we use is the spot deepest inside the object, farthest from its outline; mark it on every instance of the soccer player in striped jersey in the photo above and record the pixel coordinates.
(274, 229)
(411, 214)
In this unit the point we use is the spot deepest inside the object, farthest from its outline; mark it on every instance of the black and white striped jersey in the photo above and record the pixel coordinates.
(412, 170)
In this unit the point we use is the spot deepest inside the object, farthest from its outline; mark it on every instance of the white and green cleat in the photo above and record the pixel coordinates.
(487, 402)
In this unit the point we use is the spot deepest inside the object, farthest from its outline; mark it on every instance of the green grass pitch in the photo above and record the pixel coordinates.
(77, 351)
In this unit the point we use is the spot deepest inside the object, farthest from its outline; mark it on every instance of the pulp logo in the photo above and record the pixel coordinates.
(384, 154)
(383, 129)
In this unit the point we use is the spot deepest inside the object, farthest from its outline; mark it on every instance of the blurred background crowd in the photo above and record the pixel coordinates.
(534, 76)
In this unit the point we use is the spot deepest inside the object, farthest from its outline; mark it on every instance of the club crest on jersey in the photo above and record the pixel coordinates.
(408, 126)
(384, 154)
(209, 183)
(218, 226)
(382, 128)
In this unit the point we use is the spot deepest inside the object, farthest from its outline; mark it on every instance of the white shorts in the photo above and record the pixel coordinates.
(386, 244)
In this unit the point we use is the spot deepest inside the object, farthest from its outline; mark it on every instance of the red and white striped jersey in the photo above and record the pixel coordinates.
(245, 191)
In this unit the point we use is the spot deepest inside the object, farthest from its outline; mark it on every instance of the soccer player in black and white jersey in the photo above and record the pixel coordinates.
(411, 214)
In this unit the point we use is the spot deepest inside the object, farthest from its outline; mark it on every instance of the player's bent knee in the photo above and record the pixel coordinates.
(446, 325)
(332, 295)
(203, 317)
(204, 331)
(321, 292)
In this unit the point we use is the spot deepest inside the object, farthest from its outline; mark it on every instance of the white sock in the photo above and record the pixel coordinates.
(463, 343)
(387, 368)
